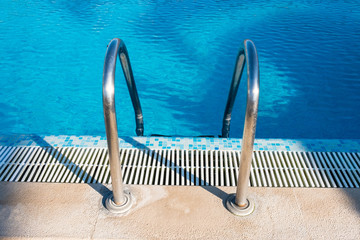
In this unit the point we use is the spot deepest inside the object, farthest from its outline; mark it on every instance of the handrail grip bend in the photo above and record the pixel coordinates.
(246, 54)
(117, 47)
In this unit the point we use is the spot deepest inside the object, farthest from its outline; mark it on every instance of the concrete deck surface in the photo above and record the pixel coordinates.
(51, 210)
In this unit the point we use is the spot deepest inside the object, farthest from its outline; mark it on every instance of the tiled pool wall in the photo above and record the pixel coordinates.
(314, 145)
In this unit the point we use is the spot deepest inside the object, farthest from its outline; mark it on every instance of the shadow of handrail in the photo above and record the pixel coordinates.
(72, 167)
(191, 177)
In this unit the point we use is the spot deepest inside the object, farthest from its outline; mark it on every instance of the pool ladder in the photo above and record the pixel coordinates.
(120, 201)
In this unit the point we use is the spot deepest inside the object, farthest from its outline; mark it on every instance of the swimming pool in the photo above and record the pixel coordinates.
(183, 55)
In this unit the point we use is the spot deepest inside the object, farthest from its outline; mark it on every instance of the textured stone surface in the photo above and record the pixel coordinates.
(50, 210)
(329, 213)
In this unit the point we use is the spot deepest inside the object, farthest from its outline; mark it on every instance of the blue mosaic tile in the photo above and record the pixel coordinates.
(325, 145)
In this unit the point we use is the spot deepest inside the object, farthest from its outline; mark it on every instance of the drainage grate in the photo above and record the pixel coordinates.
(180, 167)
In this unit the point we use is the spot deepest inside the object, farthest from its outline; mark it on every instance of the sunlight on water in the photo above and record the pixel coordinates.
(183, 55)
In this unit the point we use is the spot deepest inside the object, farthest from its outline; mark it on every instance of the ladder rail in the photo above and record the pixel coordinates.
(239, 67)
(246, 54)
(117, 47)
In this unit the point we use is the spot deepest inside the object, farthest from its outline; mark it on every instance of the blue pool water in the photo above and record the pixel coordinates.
(182, 54)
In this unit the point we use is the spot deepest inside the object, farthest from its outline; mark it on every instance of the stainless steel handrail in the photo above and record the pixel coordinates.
(239, 204)
(239, 67)
(116, 47)
(120, 201)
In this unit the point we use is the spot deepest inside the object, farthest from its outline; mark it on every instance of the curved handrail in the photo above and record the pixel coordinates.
(246, 54)
(252, 69)
(117, 46)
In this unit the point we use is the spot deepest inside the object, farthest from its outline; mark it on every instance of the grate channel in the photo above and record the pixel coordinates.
(180, 167)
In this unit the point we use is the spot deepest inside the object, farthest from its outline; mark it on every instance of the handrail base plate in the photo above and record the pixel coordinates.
(119, 209)
(239, 211)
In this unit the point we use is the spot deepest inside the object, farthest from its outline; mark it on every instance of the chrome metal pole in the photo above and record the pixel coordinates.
(239, 67)
(129, 77)
(239, 204)
(120, 201)
(252, 104)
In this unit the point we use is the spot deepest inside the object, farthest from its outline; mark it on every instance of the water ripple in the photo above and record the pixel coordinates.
(183, 55)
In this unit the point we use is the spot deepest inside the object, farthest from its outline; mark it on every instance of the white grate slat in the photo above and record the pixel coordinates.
(180, 167)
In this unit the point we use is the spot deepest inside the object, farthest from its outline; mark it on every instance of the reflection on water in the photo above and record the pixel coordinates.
(183, 55)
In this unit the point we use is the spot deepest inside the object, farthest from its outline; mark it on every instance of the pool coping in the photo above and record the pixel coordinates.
(184, 143)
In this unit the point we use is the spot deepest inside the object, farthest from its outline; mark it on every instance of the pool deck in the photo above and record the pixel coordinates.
(50, 210)
(38, 210)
